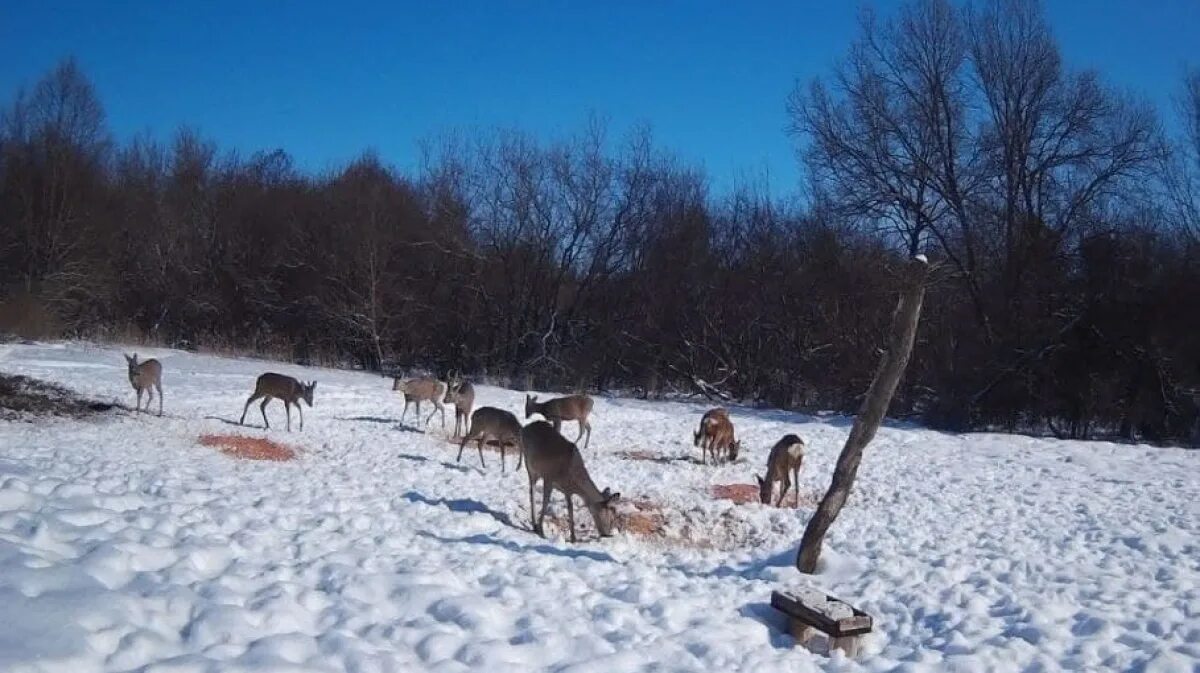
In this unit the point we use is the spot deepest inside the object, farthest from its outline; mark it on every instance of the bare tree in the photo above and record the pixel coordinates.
(870, 414)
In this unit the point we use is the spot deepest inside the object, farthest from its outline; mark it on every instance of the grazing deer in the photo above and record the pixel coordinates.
(558, 463)
(714, 434)
(783, 464)
(145, 376)
(422, 390)
(277, 386)
(462, 395)
(559, 409)
(497, 425)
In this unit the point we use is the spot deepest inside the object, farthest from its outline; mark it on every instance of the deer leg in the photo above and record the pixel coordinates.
(465, 439)
(479, 446)
(405, 412)
(418, 403)
(787, 483)
(533, 522)
(300, 410)
(159, 386)
(263, 409)
(547, 489)
(442, 408)
(796, 493)
(503, 456)
(287, 407)
(250, 401)
(138, 405)
(571, 515)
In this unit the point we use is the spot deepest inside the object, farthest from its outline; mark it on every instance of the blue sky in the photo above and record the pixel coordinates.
(326, 81)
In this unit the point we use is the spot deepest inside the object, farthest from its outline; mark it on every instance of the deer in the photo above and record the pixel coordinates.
(272, 386)
(426, 389)
(783, 464)
(559, 409)
(556, 461)
(497, 425)
(462, 395)
(714, 434)
(145, 376)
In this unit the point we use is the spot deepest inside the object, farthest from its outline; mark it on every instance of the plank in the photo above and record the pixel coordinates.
(825, 616)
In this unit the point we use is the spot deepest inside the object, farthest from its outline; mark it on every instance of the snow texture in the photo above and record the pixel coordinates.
(125, 545)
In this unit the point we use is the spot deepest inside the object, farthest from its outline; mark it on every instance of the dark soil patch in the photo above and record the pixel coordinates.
(22, 398)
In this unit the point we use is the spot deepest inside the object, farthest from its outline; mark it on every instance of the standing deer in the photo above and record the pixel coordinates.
(559, 409)
(422, 390)
(783, 464)
(277, 386)
(497, 425)
(462, 395)
(558, 463)
(145, 376)
(714, 435)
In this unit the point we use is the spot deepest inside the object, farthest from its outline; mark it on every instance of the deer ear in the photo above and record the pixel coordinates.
(614, 497)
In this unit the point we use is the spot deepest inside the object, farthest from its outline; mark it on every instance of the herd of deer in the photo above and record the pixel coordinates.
(548, 456)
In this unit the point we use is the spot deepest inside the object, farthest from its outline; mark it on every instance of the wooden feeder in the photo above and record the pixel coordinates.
(808, 609)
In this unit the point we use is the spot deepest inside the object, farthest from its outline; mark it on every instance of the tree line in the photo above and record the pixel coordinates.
(1061, 216)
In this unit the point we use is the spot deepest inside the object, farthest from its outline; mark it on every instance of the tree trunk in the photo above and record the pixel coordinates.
(870, 414)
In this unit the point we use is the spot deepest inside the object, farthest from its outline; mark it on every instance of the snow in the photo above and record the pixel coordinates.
(126, 545)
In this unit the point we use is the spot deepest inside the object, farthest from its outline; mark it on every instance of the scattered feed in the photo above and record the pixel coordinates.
(250, 448)
(643, 518)
(738, 493)
(22, 398)
(743, 494)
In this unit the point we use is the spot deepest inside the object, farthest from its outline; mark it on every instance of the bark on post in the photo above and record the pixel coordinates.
(870, 414)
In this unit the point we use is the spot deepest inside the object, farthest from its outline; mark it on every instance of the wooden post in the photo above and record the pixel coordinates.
(870, 414)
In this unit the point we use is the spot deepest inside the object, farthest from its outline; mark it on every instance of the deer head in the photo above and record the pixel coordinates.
(604, 512)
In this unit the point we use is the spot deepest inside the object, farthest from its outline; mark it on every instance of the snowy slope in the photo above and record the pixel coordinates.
(125, 545)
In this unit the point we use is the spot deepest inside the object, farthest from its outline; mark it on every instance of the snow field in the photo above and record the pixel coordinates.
(125, 545)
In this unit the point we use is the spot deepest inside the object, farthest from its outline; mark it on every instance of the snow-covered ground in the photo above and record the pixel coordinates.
(127, 546)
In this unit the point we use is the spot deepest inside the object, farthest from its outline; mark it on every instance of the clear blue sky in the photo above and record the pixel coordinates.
(325, 81)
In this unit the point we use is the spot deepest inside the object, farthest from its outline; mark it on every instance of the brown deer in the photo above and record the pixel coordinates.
(422, 390)
(559, 409)
(559, 465)
(496, 425)
(714, 435)
(277, 386)
(462, 395)
(783, 464)
(145, 376)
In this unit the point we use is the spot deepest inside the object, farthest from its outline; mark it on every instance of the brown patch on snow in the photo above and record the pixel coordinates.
(249, 448)
(739, 493)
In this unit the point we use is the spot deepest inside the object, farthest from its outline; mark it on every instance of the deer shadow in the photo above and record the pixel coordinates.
(663, 460)
(545, 549)
(424, 459)
(226, 421)
(462, 505)
(366, 419)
